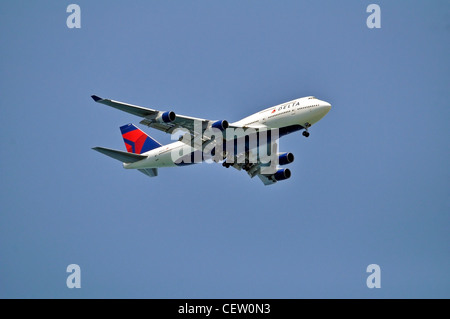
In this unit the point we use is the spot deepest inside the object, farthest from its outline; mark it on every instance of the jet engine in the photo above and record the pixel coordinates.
(281, 174)
(221, 125)
(285, 158)
(166, 117)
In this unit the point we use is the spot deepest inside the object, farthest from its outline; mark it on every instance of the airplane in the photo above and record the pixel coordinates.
(147, 155)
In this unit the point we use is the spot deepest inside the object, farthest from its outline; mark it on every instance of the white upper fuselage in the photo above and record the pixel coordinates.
(298, 114)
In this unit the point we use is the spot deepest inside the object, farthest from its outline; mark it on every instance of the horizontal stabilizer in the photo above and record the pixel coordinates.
(124, 157)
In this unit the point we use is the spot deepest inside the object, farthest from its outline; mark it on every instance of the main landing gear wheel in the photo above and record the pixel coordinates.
(226, 165)
(305, 133)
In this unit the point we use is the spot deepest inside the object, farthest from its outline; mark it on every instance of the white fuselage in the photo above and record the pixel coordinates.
(297, 112)
(292, 116)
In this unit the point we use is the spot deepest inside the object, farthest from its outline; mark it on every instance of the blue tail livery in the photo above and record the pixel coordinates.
(136, 141)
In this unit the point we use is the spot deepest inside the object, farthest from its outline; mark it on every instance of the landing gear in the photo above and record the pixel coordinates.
(305, 132)
(226, 165)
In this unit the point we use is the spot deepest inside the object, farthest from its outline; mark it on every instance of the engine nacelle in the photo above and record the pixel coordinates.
(221, 125)
(166, 117)
(281, 174)
(285, 158)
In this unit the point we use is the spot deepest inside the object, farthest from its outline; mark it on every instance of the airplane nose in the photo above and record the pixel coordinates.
(323, 108)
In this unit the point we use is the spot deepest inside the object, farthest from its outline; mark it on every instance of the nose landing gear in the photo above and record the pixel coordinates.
(305, 133)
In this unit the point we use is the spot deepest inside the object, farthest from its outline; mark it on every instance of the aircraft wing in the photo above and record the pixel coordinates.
(257, 169)
(267, 180)
(268, 172)
(266, 175)
(164, 121)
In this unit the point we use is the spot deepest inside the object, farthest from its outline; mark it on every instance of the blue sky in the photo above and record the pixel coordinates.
(369, 186)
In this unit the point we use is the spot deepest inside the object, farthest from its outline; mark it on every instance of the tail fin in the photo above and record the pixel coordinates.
(137, 141)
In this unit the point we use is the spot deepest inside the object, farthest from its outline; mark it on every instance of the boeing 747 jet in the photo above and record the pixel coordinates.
(250, 144)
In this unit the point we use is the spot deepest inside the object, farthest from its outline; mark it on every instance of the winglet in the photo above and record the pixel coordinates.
(96, 98)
